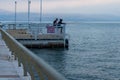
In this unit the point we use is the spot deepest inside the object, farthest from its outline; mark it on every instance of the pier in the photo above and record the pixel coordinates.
(39, 35)
(19, 63)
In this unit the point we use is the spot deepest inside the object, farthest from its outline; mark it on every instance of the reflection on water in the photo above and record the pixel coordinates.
(94, 52)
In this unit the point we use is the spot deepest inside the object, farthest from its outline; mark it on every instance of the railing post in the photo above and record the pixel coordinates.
(31, 72)
(19, 62)
(64, 34)
(25, 70)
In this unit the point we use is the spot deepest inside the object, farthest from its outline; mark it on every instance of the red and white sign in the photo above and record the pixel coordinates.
(50, 29)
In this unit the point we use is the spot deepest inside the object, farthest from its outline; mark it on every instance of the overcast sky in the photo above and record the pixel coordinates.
(66, 6)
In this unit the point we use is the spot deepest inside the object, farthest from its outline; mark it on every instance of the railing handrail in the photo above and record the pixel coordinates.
(26, 57)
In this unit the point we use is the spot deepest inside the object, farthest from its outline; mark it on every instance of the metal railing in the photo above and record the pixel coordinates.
(32, 64)
(36, 29)
(33, 26)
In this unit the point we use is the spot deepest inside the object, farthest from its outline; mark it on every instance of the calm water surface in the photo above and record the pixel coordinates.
(94, 52)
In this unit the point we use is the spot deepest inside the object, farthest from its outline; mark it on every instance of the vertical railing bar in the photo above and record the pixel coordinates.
(31, 72)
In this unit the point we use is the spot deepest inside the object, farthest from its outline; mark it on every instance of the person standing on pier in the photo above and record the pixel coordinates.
(60, 22)
(61, 26)
(55, 22)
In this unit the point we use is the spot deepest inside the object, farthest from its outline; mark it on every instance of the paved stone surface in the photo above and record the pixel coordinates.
(9, 69)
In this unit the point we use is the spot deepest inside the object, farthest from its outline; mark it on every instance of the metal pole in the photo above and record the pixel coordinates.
(40, 15)
(15, 12)
(29, 2)
(64, 33)
(40, 11)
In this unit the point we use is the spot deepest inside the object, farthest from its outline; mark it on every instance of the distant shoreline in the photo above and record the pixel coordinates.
(78, 22)
(68, 22)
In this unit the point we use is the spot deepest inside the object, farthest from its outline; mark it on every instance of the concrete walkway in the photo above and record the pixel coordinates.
(9, 69)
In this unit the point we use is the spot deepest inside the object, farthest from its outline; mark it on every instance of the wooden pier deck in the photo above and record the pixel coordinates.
(9, 69)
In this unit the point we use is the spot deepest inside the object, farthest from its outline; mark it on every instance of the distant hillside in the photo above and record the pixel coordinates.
(9, 16)
(5, 15)
(4, 12)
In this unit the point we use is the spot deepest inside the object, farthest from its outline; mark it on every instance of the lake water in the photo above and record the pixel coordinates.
(94, 52)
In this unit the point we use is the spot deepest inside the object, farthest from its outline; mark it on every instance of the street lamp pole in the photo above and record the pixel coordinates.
(29, 13)
(40, 10)
(15, 12)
